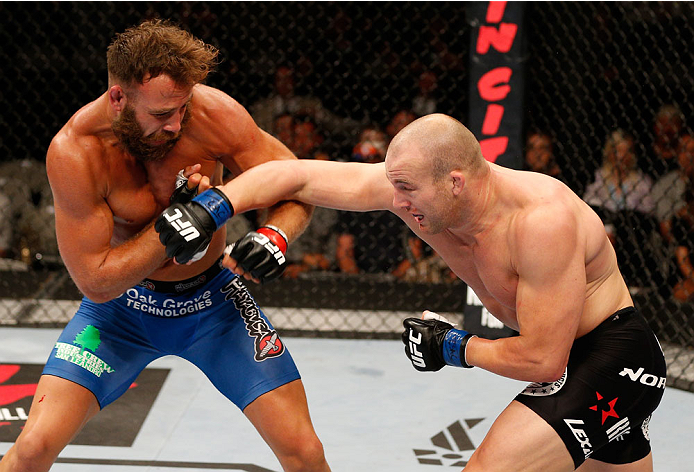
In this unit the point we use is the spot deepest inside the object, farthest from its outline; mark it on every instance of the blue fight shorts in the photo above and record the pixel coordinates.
(210, 320)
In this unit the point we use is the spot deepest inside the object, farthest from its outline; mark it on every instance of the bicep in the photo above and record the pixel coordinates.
(338, 185)
(551, 284)
(346, 186)
(242, 143)
(83, 220)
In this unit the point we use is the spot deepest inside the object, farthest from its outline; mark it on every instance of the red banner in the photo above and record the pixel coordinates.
(497, 56)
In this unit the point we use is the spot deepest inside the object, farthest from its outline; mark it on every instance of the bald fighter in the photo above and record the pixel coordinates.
(537, 257)
(147, 142)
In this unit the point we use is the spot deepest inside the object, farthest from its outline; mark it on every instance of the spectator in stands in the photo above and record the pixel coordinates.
(678, 231)
(284, 101)
(314, 250)
(667, 130)
(619, 184)
(283, 129)
(668, 192)
(28, 228)
(539, 155)
(621, 195)
(5, 224)
(425, 265)
(371, 147)
(425, 101)
(401, 119)
(374, 241)
(308, 141)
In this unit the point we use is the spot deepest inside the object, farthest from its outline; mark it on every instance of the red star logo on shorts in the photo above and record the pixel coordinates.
(606, 413)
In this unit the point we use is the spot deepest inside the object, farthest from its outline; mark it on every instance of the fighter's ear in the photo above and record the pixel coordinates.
(117, 98)
(457, 180)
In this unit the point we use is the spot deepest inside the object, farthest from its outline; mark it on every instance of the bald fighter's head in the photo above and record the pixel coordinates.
(430, 163)
(444, 142)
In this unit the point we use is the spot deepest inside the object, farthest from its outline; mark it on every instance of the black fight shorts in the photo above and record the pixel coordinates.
(614, 380)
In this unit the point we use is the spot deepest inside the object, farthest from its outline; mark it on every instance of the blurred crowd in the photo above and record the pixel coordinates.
(643, 190)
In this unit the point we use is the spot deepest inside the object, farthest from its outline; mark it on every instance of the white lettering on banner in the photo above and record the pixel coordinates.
(490, 320)
(580, 436)
(486, 318)
(8, 416)
(472, 298)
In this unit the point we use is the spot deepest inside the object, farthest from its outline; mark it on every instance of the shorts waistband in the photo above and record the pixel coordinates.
(183, 286)
(621, 315)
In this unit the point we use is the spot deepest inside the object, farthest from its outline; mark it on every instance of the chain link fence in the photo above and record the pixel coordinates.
(607, 104)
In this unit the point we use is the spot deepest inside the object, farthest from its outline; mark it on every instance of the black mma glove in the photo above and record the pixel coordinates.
(182, 194)
(261, 253)
(432, 344)
(187, 228)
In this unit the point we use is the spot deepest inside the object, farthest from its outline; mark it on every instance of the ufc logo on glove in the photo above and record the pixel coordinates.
(184, 228)
(417, 357)
(271, 247)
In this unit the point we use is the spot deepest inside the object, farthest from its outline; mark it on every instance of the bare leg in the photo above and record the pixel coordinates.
(281, 417)
(643, 465)
(521, 441)
(58, 412)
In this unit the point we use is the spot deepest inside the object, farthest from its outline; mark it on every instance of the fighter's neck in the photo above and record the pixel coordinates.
(480, 209)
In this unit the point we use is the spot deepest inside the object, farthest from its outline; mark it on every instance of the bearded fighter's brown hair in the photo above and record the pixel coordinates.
(158, 47)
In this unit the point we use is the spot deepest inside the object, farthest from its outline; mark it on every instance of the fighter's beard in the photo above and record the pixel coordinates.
(130, 134)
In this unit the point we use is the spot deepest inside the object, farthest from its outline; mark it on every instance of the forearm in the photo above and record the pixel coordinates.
(512, 357)
(263, 186)
(291, 217)
(121, 267)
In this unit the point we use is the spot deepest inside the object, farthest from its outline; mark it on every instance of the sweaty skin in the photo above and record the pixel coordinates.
(535, 254)
(106, 199)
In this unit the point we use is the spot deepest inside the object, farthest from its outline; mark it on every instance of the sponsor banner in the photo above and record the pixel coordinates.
(479, 321)
(116, 425)
(497, 86)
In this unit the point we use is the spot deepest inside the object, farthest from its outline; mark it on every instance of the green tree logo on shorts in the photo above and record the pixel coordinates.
(89, 339)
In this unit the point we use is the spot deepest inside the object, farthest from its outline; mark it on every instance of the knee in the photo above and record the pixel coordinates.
(33, 451)
(480, 460)
(305, 455)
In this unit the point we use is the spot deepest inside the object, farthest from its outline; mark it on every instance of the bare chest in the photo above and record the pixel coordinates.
(137, 192)
(486, 268)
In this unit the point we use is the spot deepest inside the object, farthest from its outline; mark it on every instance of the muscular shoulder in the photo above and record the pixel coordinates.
(213, 101)
(220, 119)
(549, 221)
(77, 149)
